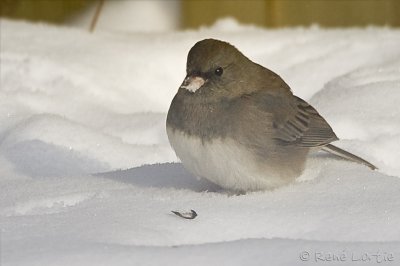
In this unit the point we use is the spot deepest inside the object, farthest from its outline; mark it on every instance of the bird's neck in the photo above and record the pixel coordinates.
(200, 118)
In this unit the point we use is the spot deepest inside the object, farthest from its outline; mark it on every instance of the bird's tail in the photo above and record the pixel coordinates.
(347, 155)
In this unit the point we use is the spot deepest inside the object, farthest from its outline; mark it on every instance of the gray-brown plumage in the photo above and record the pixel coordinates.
(238, 124)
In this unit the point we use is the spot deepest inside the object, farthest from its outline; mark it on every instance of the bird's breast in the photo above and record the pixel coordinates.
(205, 120)
(224, 162)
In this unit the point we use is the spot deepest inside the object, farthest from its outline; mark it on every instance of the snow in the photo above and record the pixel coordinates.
(129, 16)
(87, 176)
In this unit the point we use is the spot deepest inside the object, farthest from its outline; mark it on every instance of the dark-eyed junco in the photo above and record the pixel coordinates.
(238, 124)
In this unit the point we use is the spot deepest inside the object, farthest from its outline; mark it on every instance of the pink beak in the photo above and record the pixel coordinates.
(193, 83)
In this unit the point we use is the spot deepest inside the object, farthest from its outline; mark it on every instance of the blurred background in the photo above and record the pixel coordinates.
(164, 15)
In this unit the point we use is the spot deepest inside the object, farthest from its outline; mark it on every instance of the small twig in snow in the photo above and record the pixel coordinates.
(96, 15)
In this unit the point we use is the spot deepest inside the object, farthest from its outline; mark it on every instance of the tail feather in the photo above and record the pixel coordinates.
(347, 155)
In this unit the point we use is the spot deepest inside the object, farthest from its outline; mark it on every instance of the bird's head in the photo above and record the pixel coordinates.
(215, 68)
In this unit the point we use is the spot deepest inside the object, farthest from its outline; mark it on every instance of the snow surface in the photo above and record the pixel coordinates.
(129, 16)
(87, 176)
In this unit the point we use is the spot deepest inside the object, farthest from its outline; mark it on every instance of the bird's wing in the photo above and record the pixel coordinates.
(302, 126)
(294, 121)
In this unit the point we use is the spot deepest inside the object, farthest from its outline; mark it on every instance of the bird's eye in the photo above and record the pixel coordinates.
(219, 71)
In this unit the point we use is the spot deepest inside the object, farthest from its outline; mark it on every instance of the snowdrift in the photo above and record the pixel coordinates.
(87, 176)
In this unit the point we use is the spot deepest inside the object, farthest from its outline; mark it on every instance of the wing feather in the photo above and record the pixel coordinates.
(304, 127)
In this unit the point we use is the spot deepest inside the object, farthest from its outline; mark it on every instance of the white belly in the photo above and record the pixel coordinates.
(224, 162)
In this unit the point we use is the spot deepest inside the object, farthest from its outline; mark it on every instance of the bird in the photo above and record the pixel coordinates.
(238, 124)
